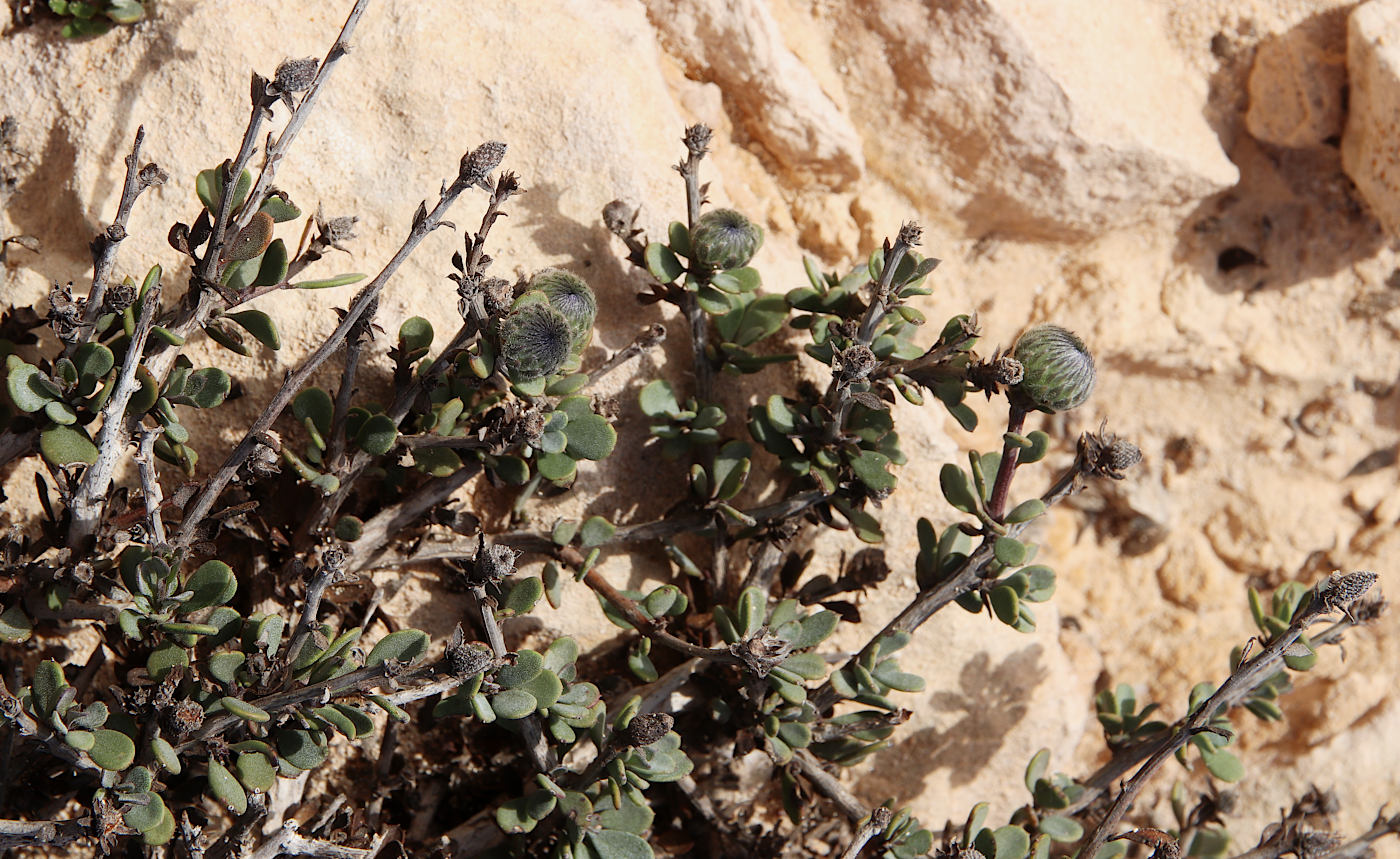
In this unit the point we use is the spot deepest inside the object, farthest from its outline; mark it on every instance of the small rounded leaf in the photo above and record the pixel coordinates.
(66, 445)
(513, 703)
(112, 750)
(377, 435)
(213, 584)
(252, 240)
(226, 788)
(590, 437)
(405, 645)
(260, 325)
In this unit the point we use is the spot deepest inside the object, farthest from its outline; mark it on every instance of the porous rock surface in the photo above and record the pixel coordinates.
(1079, 162)
(1371, 145)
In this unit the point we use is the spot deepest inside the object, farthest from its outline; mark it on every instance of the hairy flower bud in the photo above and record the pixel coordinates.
(1059, 371)
(568, 294)
(535, 341)
(479, 163)
(724, 239)
(295, 75)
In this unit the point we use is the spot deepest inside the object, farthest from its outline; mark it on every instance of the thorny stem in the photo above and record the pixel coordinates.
(541, 753)
(201, 302)
(91, 496)
(828, 785)
(926, 603)
(204, 501)
(879, 819)
(50, 833)
(1241, 681)
(106, 244)
(839, 393)
(1010, 455)
(150, 486)
(1127, 758)
(474, 266)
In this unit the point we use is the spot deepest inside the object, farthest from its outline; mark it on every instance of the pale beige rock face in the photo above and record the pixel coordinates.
(1371, 145)
(1298, 83)
(1005, 127)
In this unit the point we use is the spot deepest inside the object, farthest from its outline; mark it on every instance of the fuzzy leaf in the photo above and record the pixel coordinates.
(213, 584)
(616, 844)
(405, 645)
(66, 445)
(524, 595)
(260, 325)
(590, 437)
(329, 282)
(303, 749)
(658, 399)
(528, 663)
(143, 817)
(226, 788)
(377, 435)
(513, 703)
(15, 625)
(662, 263)
(112, 750)
(272, 270)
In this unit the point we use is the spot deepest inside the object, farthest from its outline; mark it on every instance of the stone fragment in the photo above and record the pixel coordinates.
(1057, 120)
(1297, 84)
(1371, 142)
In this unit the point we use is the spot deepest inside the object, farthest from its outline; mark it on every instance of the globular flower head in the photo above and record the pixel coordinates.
(567, 293)
(1059, 371)
(535, 341)
(724, 239)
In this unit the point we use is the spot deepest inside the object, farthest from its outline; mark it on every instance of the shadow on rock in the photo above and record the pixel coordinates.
(988, 704)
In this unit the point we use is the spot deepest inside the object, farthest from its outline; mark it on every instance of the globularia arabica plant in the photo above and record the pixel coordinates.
(199, 702)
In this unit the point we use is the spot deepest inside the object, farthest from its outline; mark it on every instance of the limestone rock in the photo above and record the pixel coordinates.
(1297, 84)
(739, 44)
(1057, 120)
(1371, 143)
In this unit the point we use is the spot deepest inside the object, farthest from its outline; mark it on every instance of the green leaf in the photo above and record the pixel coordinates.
(590, 437)
(279, 209)
(545, 688)
(1062, 829)
(513, 703)
(662, 263)
(206, 388)
(657, 399)
(112, 750)
(1025, 511)
(165, 755)
(213, 584)
(26, 386)
(956, 488)
(377, 435)
(329, 282)
(596, 531)
(303, 749)
(616, 844)
(15, 625)
(1012, 842)
(244, 710)
(1005, 604)
(1223, 765)
(226, 788)
(405, 645)
(223, 666)
(47, 687)
(93, 360)
(869, 467)
(165, 658)
(255, 771)
(1010, 551)
(528, 663)
(273, 268)
(259, 324)
(523, 596)
(415, 334)
(143, 817)
(557, 467)
(66, 445)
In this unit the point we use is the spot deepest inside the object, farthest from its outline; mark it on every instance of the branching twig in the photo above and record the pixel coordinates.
(150, 485)
(46, 833)
(91, 497)
(828, 785)
(423, 224)
(106, 244)
(541, 753)
(1337, 593)
(387, 523)
(879, 819)
(290, 842)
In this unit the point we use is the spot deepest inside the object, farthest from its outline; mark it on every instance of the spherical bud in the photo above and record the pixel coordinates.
(1059, 371)
(568, 294)
(647, 728)
(1121, 455)
(724, 239)
(535, 342)
(295, 75)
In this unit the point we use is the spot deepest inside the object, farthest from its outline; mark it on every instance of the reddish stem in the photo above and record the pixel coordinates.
(1010, 454)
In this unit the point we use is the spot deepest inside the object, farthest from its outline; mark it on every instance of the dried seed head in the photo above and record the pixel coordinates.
(65, 314)
(1059, 371)
(910, 234)
(647, 728)
(465, 660)
(568, 294)
(295, 75)
(1340, 591)
(478, 164)
(151, 174)
(335, 231)
(534, 342)
(854, 363)
(492, 563)
(697, 138)
(620, 218)
(119, 296)
(723, 239)
(185, 718)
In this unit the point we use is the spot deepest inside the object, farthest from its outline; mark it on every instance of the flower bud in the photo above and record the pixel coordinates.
(724, 239)
(568, 294)
(1059, 371)
(535, 341)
